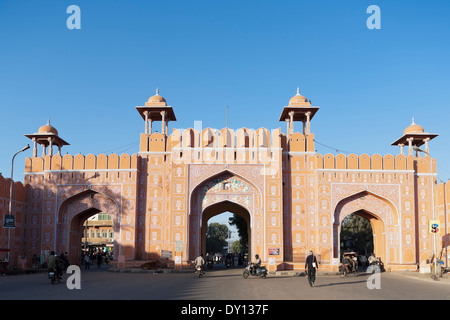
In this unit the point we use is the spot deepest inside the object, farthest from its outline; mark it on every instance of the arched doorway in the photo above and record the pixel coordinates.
(218, 208)
(73, 212)
(225, 192)
(382, 216)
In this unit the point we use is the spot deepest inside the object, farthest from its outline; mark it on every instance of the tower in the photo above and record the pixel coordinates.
(155, 109)
(414, 136)
(47, 136)
(299, 109)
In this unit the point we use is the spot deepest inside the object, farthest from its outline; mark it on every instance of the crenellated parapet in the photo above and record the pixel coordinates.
(375, 162)
(80, 162)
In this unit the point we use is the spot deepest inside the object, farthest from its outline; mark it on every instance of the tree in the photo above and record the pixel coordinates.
(241, 226)
(357, 234)
(236, 247)
(216, 237)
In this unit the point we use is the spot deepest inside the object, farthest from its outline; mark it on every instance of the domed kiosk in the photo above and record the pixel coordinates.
(414, 136)
(156, 109)
(47, 136)
(299, 109)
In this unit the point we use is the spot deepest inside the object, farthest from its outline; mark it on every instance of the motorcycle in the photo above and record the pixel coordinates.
(54, 276)
(228, 263)
(260, 272)
(199, 271)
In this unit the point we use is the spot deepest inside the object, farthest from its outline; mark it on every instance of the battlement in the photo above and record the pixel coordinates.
(213, 138)
(376, 162)
(80, 162)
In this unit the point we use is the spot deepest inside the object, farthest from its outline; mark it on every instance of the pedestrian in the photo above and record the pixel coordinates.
(99, 260)
(311, 266)
(86, 261)
(35, 261)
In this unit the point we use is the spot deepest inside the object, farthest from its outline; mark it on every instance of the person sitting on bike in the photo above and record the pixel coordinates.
(372, 259)
(347, 263)
(255, 264)
(355, 263)
(199, 261)
(54, 264)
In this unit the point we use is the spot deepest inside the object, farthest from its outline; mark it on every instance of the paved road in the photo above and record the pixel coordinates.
(219, 284)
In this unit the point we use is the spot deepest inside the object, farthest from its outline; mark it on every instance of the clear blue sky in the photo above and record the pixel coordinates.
(205, 55)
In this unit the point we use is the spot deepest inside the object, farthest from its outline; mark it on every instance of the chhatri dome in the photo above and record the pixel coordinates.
(414, 128)
(47, 128)
(298, 98)
(156, 98)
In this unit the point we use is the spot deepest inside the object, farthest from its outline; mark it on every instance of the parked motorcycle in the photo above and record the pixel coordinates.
(260, 272)
(54, 276)
(199, 271)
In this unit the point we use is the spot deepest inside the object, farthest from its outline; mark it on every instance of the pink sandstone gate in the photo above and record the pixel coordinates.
(299, 200)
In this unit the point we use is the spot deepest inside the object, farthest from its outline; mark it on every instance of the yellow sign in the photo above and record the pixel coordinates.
(433, 226)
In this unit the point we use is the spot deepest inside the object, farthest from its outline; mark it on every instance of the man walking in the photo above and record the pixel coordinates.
(311, 266)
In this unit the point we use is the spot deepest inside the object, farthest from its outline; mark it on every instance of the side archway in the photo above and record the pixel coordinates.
(382, 216)
(73, 212)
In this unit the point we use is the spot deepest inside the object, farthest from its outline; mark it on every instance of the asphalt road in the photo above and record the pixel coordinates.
(219, 284)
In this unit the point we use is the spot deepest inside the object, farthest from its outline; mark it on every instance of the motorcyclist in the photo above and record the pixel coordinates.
(209, 260)
(255, 264)
(347, 263)
(199, 261)
(372, 259)
(229, 260)
(54, 264)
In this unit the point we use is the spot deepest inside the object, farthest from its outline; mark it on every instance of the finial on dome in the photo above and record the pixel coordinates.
(48, 121)
(157, 91)
(412, 120)
(298, 91)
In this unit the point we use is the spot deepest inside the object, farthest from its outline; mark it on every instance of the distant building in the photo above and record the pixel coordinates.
(98, 233)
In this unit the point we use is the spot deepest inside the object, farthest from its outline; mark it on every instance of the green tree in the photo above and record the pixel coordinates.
(241, 226)
(356, 234)
(236, 247)
(216, 237)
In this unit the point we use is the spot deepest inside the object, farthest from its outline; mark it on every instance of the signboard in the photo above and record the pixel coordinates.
(433, 226)
(178, 246)
(274, 251)
(166, 254)
(9, 221)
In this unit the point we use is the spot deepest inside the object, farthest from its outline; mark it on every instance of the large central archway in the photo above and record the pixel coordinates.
(225, 192)
(218, 208)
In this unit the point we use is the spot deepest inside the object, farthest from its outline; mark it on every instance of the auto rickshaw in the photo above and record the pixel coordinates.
(349, 264)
